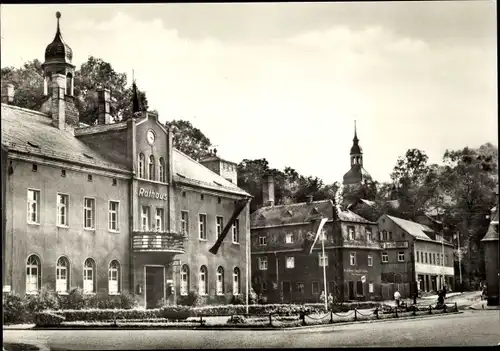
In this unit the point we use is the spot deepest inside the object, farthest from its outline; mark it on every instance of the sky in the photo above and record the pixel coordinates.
(286, 81)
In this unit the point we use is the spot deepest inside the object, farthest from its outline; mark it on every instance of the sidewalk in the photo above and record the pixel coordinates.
(483, 306)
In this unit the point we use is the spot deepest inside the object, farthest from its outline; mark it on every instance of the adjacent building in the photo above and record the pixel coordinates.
(283, 272)
(113, 207)
(492, 258)
(414, 256)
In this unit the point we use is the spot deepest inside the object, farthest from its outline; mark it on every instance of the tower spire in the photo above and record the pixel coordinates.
(355, 133)
(58, 16)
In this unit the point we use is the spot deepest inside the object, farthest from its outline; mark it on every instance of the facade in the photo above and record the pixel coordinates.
(414, 256)
(283, 272)
(112, 207)
(492, 259)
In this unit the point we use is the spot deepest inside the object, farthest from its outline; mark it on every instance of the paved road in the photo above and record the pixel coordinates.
(472, 328)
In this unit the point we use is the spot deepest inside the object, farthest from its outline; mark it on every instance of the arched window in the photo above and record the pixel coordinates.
(185, 280)
(151, 167)
(236, 281)
(89, 276)
(161, 170)
(69, 84)
(62, 275)
(114, 278)
(203, 281)
(33, 274)
(220, 281)
(142, 165)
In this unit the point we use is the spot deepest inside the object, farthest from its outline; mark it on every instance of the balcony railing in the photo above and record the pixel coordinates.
(158, 242)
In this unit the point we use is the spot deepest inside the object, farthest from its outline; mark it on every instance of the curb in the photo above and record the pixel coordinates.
(324, 325)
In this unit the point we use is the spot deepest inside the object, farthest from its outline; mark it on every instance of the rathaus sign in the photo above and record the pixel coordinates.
(152, 194)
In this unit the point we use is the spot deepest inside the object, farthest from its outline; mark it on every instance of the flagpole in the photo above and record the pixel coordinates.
(459, 259)
(324, 269)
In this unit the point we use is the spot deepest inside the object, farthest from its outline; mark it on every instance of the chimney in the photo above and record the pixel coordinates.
(103, 101)
(309, 198)
(268, 190)
(58, 100)
(8, 93)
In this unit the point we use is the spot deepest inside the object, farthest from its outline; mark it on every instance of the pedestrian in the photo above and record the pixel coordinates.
(444, 291)
(415, 295)
(397, 297)
(330, 300)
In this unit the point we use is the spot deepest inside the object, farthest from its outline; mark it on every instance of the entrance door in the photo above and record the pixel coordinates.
(287, 292)
(155, 286)
(352, 296)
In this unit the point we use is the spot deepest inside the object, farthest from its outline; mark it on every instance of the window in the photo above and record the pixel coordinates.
(34, 167)
(236, 281)
(114, 182)
(160, 214)
(89, 177)
(142, 165)
(220, 281)
(426, 258)
(263, 263)
(62, 275)
(184, 280)
(161, 170)
(145, 212)
(88, 213)
(438, 261)
(151, 168)
(370, 288)
(62, 210)
(203, 281)
(359, 288)
(442, 258)
(89, 276)
(315, 287)
(202, 223)
(33, 274)
(236, 231)
(370, 260)
(390, 236)
(421, 257)
(300, 287)
(262, 240)
(289, 238)
(323, 260)
(433, 258)
(350, 232)
(114, 278)
(113, 215)
(219, 200)
(385, 257)
(219, 225)
(185, 222)
(401, 256)
(417, 256)
(202, 197)
(369, 234)
(33, 206)
(63, 173)
(352, 258)
(445, 260)
(263, 285)
(384, 235)
(290, 262)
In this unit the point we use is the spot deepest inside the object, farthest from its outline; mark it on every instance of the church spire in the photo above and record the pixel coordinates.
(355, 140)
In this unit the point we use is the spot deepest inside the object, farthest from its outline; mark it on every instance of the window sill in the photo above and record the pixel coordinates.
(63, 226)
(89, 229)
(31, 292)
(202, 239)
(89, 293)
(63, 293)
(114, 231)
(235, 243)
(184, 294)
(33, 223)
(220, 294)
(113, 294)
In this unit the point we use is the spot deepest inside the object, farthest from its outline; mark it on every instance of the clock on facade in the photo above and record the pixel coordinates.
(150, 137)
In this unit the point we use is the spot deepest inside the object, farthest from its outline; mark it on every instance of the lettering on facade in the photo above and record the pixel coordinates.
(395, 245)
(152, 194)
(356, 271)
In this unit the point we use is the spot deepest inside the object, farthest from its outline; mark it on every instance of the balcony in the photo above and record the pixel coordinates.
(158, 242)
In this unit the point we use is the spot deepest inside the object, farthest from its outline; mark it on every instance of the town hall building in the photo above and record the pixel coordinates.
(113, 207)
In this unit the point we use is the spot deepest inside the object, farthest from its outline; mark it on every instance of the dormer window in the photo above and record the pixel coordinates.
(151, 167)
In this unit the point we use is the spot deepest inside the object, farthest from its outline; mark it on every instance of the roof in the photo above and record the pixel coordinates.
(32, 132)
(187, 170)
(415, 229)
(212, 158)
(492, 233)
(298, 213)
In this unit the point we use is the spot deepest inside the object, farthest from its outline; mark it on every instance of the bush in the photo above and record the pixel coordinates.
(13, 309)
(238, 300)
(236, 320)
(47, 319)
(44, 300)
(128, 300)
(75, 300)
(191, 299)
(176, 312)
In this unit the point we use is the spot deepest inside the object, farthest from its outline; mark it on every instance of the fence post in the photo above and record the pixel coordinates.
(414, 310)
(355, 314)
(430, 309)
(270, 320)
(456, 307)
(331, 316)
(201, 321)
(376, 312)
(396, 311)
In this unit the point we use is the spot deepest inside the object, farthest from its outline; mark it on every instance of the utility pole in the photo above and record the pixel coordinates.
(459, 258)
(324, 268)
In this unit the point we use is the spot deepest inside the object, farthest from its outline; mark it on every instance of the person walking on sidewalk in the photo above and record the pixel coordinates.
(397, 298)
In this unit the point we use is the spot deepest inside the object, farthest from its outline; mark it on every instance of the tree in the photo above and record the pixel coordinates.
(28, 83)
(189, 139)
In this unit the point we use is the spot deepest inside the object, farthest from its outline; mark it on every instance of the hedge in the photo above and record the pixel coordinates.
(183, 312)
(47, 319)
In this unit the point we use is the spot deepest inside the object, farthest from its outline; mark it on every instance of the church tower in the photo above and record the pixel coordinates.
(357, 175)
(58, 82)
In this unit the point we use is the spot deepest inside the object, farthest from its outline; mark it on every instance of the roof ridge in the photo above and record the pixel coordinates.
(296, 204)
(26, 110)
